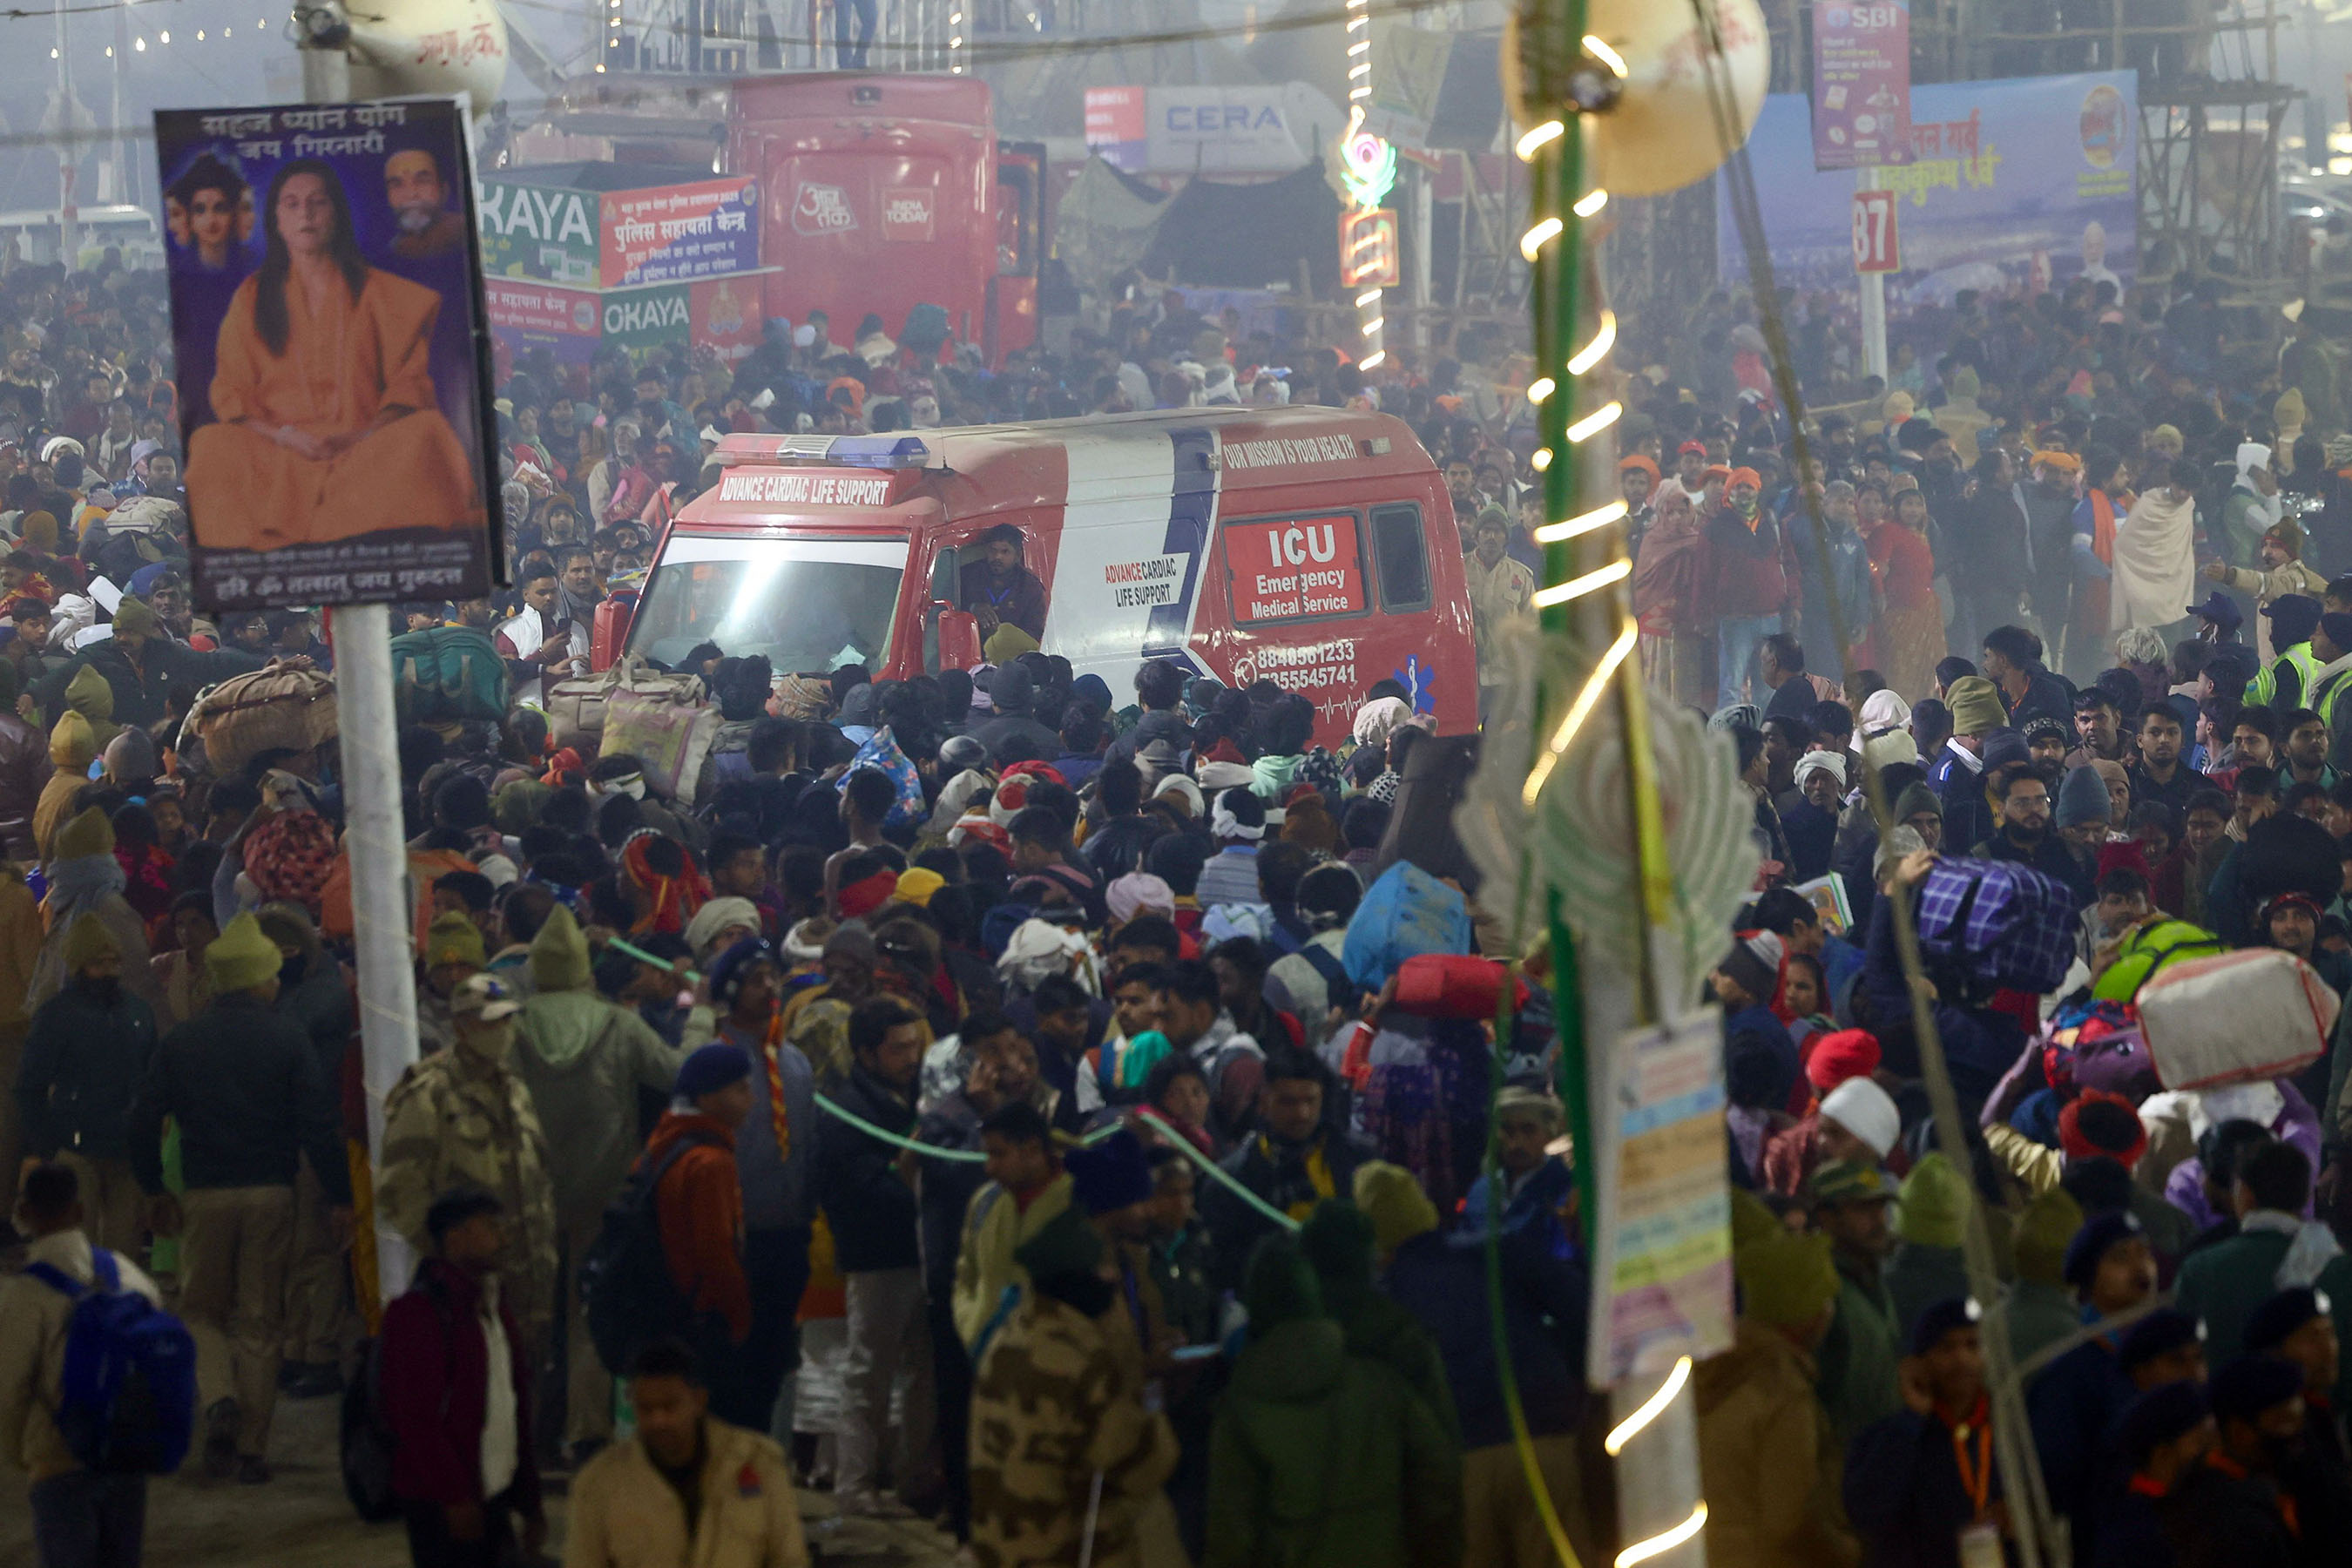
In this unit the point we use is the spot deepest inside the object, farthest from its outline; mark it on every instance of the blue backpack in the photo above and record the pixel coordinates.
(128, 1405)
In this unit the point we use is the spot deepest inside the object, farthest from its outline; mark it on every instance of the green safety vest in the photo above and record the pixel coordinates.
(2265, 682)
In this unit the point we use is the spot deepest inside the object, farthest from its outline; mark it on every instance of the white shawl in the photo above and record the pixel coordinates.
(2156, 561)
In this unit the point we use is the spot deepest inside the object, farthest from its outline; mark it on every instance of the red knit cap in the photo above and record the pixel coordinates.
(2078, 1145)
(1831, 1058)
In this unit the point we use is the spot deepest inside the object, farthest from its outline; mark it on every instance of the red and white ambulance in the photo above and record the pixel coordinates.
(1312, 547)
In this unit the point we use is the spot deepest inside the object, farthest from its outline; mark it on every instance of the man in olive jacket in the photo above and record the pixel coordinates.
(243, 1083)
(1318, 1459)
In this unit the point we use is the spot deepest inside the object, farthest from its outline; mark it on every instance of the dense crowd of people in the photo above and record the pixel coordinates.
(1063, 1112)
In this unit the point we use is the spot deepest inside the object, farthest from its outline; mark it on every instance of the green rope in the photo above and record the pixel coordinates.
(1192, 1152)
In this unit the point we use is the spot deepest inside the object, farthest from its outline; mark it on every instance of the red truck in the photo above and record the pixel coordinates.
(886, 192)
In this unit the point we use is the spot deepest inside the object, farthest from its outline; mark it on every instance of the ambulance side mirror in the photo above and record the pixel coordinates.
(958, 637)
(609, 632)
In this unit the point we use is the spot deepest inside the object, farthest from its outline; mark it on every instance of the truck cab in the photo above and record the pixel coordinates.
(885, 191)
(1312, 547)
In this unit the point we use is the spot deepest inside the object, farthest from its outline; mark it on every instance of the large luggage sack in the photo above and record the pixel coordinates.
(2238, 1017)
(1997, 922)
(262, 710)
(668, 731)
(2149, 949)
(576, 707)
(448, 675)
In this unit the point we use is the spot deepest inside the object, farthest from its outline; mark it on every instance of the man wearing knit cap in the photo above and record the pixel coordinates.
(2077, 1396)
(1746, 982)
(242, 1083)
(1926, 1474)
(1957, 773)
(454, 954)
(2295, 1326)
(2282, 571)
(87, 1050)
(2040, 1309)
(141, 665)
(1931, 1215)
(699, 1205)
(1767, 1454)
(2231, 1508)
(583, 1060)
(1850, 1201)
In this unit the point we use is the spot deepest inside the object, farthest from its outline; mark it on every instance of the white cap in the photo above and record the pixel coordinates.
(1831, 762)
(1862, 1108)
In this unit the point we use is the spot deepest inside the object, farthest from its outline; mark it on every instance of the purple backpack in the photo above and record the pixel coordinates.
(1997, 922)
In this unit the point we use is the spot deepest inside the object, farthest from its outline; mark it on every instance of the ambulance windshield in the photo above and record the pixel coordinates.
(808, 605)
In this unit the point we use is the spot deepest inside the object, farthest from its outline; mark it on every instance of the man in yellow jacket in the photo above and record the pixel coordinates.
(689, 1490)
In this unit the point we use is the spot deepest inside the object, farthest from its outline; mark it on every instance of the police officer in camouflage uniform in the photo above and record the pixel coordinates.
(1055, 1406)
(463, 1118)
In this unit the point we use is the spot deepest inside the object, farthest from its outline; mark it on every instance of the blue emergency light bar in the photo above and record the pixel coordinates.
(879, 451)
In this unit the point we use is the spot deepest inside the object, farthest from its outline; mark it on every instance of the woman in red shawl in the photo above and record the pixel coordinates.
(1911, 628)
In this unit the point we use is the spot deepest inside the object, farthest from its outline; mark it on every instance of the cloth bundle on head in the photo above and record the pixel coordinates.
(1976, 706)
(804, 940)
(702, 932)
(1392, 1200)
(2095, 1123)
(242, 957)
(1932, 1206)
(1140, 893)
(454, 939)
(711, 1069)
(1038, 950)
(881, 752)
(670, 900)
(1841, 1054)
(958, 793)
(87, 942)
(1862, 1108)
(803, 697)
(1832, 762)
(862, 898)
(1109, 1175)
(1216, 775)
(1735, 716)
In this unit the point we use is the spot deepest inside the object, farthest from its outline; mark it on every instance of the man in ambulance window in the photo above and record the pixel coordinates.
(998, 590)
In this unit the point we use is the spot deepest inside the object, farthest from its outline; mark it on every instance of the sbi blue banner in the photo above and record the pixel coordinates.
(2014, 188)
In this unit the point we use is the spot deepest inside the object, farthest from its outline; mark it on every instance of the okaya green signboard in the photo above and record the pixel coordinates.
(641, 319)
(547, 232)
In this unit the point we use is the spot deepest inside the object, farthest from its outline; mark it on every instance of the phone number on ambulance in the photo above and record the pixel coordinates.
(1313, 664)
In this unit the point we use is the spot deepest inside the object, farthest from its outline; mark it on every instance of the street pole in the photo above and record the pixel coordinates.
(1872, 286)
(373, 838)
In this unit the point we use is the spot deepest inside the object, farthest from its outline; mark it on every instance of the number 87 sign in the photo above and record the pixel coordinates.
(1876, 248)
